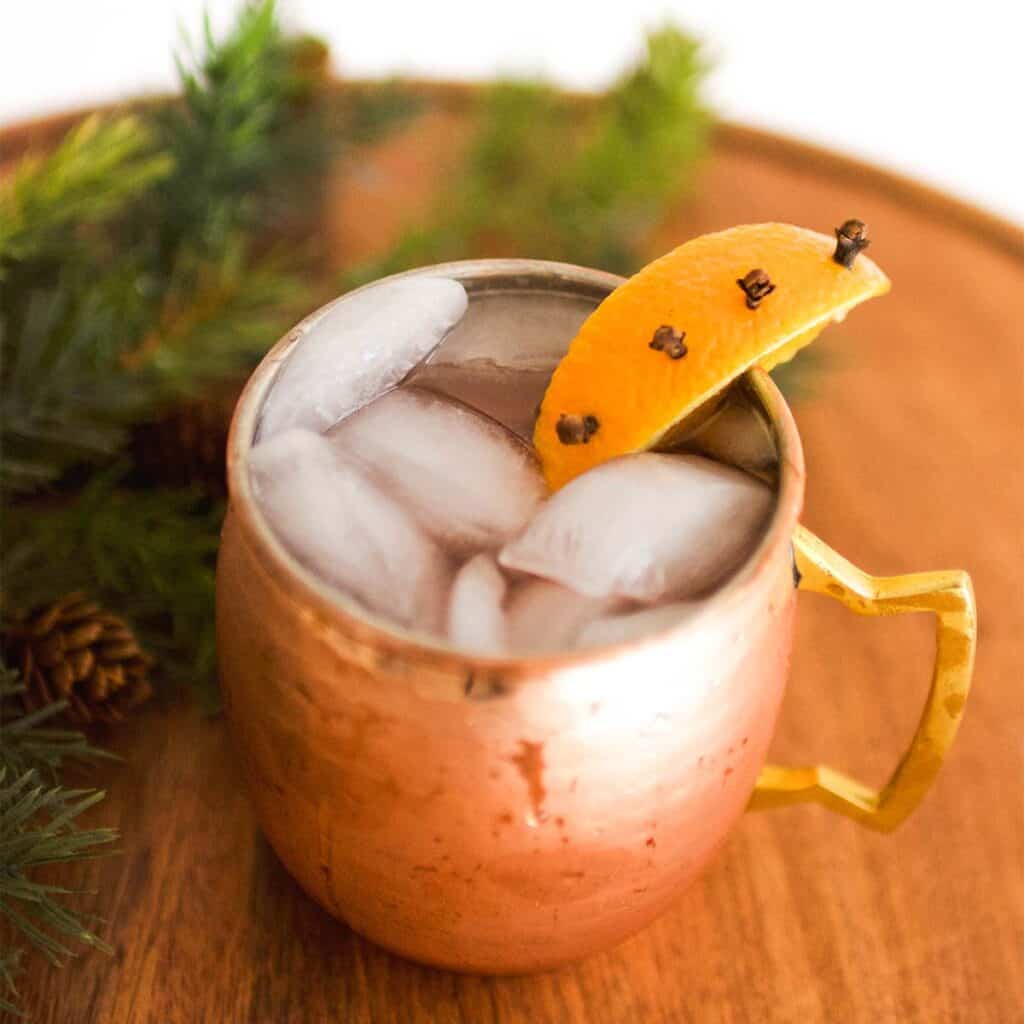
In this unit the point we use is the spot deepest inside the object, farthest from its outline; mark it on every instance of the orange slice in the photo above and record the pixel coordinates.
(681, 329)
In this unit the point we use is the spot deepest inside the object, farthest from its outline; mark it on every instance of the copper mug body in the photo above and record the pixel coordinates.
(505, 814)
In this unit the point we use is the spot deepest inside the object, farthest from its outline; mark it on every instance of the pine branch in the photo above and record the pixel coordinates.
(150, 290)
(26, 743)
(245, 123)
(64, 399)
(66, 307)
(81, 369)
(643, 151)
(96, 171)
(522, 128)
(37, 828)
(148, 553)
(547, 179)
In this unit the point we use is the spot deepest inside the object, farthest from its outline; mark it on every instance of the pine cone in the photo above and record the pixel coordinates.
(73, 650)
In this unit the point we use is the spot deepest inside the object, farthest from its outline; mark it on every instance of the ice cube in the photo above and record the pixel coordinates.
(468, 481)
(543, 616)
(646, 527)
(475, 618)
(501, 329)
(618, 629)
(500, 357)
(340, 525)
(507, 394)
(358, 348)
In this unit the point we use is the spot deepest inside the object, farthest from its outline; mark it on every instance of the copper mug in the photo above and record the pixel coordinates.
(503, 815)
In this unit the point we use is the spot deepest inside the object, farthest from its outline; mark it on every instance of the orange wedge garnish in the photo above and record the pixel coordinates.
(679, 331)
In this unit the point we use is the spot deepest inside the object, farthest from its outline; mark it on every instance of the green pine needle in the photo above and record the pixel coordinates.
(64, 398)
(90, 177)
(81, 369)
(37, 828)
(28, 743)
(239, 94)
(131, 274)
(148, 553)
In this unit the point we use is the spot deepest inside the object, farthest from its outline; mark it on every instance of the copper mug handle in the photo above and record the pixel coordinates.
(950, 596)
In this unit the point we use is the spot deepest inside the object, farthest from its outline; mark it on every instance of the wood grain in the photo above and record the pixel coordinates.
(913, 450)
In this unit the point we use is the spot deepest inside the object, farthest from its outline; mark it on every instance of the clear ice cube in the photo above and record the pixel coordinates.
(543, 616)
(475, 618)
(359, 348)
(341, 525)
(507, 394)
(500, 357)
(618, 629)
(644, 527)
(466, 479)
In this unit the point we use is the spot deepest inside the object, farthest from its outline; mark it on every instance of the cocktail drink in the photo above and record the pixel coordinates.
(395, 459)
(507, 585)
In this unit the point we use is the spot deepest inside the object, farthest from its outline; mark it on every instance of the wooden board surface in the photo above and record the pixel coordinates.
(913, 450)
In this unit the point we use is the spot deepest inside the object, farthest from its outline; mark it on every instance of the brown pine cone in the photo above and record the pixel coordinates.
(74, 650)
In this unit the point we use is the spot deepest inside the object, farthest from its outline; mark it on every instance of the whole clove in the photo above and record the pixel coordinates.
(851, 238)
(573, 429)
(756, 285)
(669, 340)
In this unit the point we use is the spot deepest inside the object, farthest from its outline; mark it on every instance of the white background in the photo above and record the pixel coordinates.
(935, 90)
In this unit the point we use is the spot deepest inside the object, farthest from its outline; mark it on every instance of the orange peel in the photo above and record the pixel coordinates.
(680, 330)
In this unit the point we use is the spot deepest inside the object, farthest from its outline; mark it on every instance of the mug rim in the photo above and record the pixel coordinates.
(336, 611)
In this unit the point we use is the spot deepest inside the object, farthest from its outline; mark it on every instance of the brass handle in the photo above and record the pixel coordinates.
(950, 596)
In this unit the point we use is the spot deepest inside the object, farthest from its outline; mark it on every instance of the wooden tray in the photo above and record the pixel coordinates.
(913, 451)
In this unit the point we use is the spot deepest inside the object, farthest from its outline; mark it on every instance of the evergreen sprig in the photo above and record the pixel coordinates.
(98, 168)
(28, 742)
(549, 177)
(37, 828)
(131, 269)
(239, 95)
(150, 553)
(643, 149)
